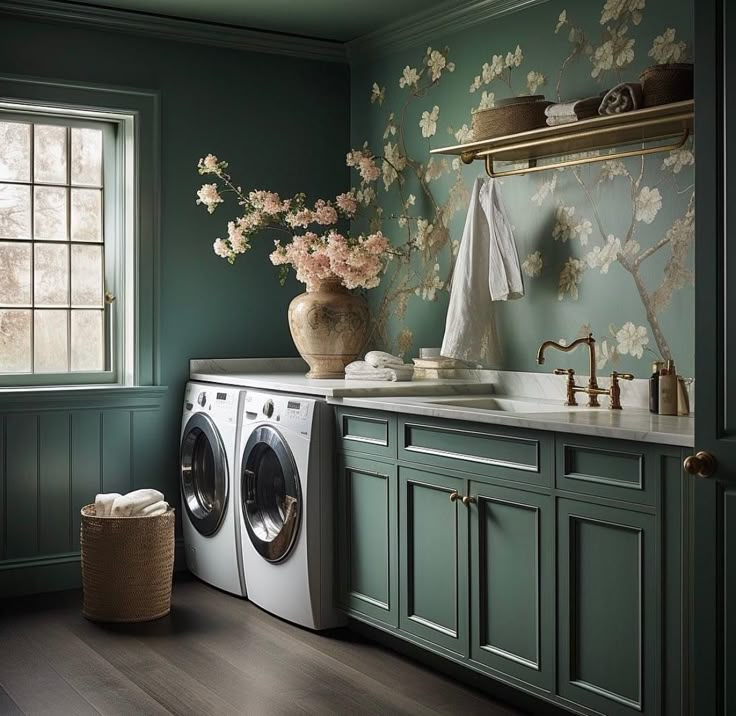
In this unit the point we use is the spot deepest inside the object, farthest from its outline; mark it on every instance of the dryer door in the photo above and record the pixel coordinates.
(271, 495)
(204, 474)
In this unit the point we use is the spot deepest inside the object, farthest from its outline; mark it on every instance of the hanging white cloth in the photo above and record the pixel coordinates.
(487, 270)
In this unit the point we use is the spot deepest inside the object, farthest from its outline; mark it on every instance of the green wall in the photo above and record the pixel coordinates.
(283, 124)
(607, 297)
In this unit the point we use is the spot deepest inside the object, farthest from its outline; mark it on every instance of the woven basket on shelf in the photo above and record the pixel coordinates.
(127, 566)
(510, 116)
(662, 84)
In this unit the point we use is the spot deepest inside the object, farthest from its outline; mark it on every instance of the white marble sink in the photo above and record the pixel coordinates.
(503, 404)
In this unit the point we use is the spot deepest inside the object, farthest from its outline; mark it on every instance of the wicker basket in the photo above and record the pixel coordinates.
(127, 566)
(510, 116)
(662, 84)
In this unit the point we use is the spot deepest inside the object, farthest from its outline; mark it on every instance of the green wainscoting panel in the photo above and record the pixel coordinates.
(607, 622)
(367, 539)
(21, 486)
(618, 469)
(54, 483)
(116, 453)
(86, 463)
(512, 582)
(369, 432)
(433, 559)
(513, 454)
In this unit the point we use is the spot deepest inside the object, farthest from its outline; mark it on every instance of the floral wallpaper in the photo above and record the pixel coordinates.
(605, 247)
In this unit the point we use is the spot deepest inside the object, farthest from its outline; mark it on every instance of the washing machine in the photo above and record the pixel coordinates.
(286, 507)
(208, 465)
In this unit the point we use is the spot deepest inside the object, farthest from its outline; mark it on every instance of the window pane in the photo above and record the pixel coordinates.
(50, 343)
(49, 154)
(15, 151)
(87, 156)
(15, 274)
(49, 213)
(86, 215)
(51, 275)
(15, 212)
(87, 342)
(15, 341)
(87, 276)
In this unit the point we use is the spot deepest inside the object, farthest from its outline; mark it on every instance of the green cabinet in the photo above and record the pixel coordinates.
(512, 587)
(433, 559)
(367, 539)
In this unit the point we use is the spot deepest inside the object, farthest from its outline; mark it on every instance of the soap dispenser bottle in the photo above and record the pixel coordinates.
(654, 387)
(668, 389)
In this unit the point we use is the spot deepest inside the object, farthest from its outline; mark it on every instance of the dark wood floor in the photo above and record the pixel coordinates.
(214, 655)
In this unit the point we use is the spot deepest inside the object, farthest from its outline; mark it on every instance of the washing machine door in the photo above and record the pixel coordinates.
(271, 495)
(204, 474)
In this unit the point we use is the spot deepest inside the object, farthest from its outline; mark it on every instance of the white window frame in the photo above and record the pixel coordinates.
(136, 114)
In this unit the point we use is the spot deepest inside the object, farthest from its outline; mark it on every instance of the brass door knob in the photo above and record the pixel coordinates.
(454, 496)
(468, 500)
(702, 464)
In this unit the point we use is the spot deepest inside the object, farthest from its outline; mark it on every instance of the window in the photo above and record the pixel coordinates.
(61, 252)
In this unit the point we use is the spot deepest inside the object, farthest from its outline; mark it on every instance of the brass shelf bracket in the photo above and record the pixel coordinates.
(534, 167)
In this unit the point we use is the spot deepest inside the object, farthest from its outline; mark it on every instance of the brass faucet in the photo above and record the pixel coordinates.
(592, 388)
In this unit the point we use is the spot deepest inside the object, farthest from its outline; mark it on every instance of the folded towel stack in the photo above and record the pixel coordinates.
(379, 366)
(567, 112)
(139, 503)
(624, 97)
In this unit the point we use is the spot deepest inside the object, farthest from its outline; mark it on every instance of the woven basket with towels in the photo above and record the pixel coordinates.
(127, 566)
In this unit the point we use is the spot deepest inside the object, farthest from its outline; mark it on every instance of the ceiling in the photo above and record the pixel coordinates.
(338, 20)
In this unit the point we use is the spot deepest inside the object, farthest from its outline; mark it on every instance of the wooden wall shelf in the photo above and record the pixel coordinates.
(647, 128)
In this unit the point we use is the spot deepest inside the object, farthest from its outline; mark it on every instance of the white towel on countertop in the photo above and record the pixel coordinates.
(360, 370)
(381, 359)
(131, 504)
(487, 269)
(103, 503)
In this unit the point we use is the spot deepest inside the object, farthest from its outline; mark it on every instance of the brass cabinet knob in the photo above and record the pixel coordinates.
(454, 496)
(702, 464)
(468, 500)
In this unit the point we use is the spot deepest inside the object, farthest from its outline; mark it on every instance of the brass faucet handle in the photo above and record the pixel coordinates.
(621, 376)
(564, 371)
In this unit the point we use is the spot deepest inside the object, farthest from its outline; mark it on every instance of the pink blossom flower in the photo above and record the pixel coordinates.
(347, 204)
(209, 197)
(324, 213)
(221, 248)
(300, 218)
(368, 169)
(211, 165)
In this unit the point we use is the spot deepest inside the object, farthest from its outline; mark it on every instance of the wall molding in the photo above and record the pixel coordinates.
(179, 29)
(445, 19)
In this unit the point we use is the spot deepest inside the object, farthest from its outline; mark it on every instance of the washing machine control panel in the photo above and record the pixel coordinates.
(202, 398)
(289, 411)
(268, 408)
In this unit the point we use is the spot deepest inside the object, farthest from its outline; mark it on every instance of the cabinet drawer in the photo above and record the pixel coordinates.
(492, 450)
(366, 431)
(618, 469)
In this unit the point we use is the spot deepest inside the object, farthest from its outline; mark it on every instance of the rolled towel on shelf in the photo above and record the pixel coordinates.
(103, 503)
(381, 359)
(575, 110)
(360, 370)
(559, 121)
(157, 508)
(624, 97)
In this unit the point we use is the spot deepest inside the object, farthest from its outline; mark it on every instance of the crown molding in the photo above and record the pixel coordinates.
(169, 28)
(447, 18)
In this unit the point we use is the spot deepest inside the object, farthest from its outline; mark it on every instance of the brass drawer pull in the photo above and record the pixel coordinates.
(702, 464)
(454, 496)
(468, 500)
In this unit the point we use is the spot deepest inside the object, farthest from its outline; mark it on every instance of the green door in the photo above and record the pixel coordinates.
(434, 559)
(712, 498)
(608, 587)
(367, 539)
(512, 587)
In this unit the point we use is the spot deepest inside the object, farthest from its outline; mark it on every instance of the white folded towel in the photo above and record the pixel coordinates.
(157, 508)
(132, 503)
(103, 503)
(487, 269)
(381, 359)
(360, 370)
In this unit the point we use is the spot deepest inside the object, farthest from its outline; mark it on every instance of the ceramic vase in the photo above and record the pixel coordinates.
(329, 326)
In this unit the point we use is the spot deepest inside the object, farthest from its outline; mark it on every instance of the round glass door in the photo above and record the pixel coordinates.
(271, 494)
(204, 474)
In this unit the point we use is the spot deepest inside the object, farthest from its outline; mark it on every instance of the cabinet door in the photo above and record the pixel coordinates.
(367, 539)
(512, 588)
(434, 559)
(607, 619)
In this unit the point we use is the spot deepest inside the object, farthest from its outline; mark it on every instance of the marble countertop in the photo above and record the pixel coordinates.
(627, 424)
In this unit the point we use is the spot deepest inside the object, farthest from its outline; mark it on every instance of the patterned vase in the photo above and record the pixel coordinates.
(329, 326)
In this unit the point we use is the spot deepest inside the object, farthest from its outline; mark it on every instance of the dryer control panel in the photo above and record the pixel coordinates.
(214, 399)
(293, 412)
